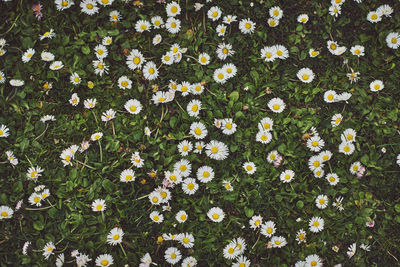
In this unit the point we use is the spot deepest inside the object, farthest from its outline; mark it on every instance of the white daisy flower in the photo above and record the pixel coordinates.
(315, 143)
(336, 119)
(249, 167)
(349, 135)
(198, 130)
(193, 108)
(96, 136)
(115, 236)
(276, 105)
(374, 17)
(56, 65)
(273, 22)
(214, 13)
(204, 59)
(228, 19)
(217, 150)
(263, 137)
(305, 75)
(173, 25)
(34, 173)
(220, 76)
(184, 147)
(224, 50)
(313, 260)
(313, 53)
(157, 39)
(173, 9)
(4, 131)
(142, 25)
(228, 126)
(172, 255)
(376, 86)
(127, 176)
(150, 71)
(268, 53)
(133, 106)
(287, 176)
(302, 18)
(278, 241)
(346, 148)
(156, 217)
(157, 22)
(316, 224)
(246, 26)
(276, 12)
(268, 228)
(89, 7)
(63, 4)
(124, 83)
(49, 34)
(221, 30)
(205, 174)
(5, 212)
(48, 250)
(74, 101)
(255, 222)
(321, 201)
(135, 60)
(189, 186)
(332, 178)
(216, 214)
(104, 260)
(183, 167)
(393, 40)
(99, 205)
(115, 16)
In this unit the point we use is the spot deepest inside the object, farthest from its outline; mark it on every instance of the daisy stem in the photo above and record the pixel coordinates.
(142, 197)
(258, 238)
(101, 152)
(95, 118)
(43, 208)
(179, 106)
(40, 135)
(191, 57)
(28, 160)
(84, 164)
(123, 250)
(113, 128)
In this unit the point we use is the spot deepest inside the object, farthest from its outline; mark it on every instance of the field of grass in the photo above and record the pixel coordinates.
(216, 133)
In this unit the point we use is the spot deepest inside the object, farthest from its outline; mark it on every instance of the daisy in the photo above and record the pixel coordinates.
(2, 51)
(104, 260)
(313, 260)
(268, 53)
(276, 12)
(221, 29)
(349, 135)
(136, 160)
(276, 105)
(330, 96)
(16, 82)
(241, 261)
(228, 126)
(278, 241)
(228, 19)
(186, 240)
(204, 59)
(217, 150)
(220, 76)
(224, 50)
(35, 199)
(268, 228)
(301, 236)
(385, 10)
(214, 13)
(168, 58)
(159, 97)
(145, 260)
(108, 115)
(346, 148)
(193, 108)
(157, 39)
(107, 40)
(75, 79)
(142, 25)
(48, 250)
(374, 17)
(74, 101)
(227, 185)
(265, 124)
(351, 250)
(99, 69)
(198, 147)
(230, 252)
(5, 212)
(150, 71)
(155, 198)
(189, 261)
(315, 143)
(127, 176)
(255, 222)
(135, 60)
(393, 40)
(96, 136)
(249, 167)
(357, 50)
(46, 118)
(99, 205)
(332, 46)
(172, 255)
(173, 9)
(335, 10)
(173, 25)
(156, 217)
(183, 167)
(303, 18)
(205, 174)
(34, 173)
(157, 22)
(376, 86)
(124, 83)
(321, 201)
(287, 176)
(273, 22)
(89, 7)
(216, 214)
(184, 87)
(189, 186)
(115, 236)
(101, 51)
(4, 131)
(164, 193)
(281, 51)
(246, 26)
(355, 167)
(63, 4)
(332, 178)
(313, 53)
(2, 77)
(198, 130)
(336, 119)
(316, 224)
(27, 56)
(11, 158)
(185, 147)
(325, 155)
(230, 69)
(133, 106)
(173, 177)
(272, 156)
(56, 65)
(115, 16)
(263, 137)
(50, 34)
(305, 75)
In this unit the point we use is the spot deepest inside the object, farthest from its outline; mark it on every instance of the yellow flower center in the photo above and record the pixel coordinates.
(273, 156)
(173, 255)
(156, 218)
(99, 207)
(279, 53)
(190, 186)
(143, 26)
(287, 176)
(132, 108)
(163, 194)
(174, 9)
(346, 148)
(104, 1)
(377, 86)
(220, 76)
(277, 242)
(116, 237)
(104, 262)
(325, 157)
(157, 22)
(197, 131)
(228, 186)
(161, 99)
(4, 214)
(357, 51)
(155, 200)
(330, 97)
(275, 107)
(173, 178)
(206, 174)
(136, 60)
(215, 14)
(303, 19)
(228, 126)
(301, 236)
(276, 13)
(68, 158)
(338, 120)
(313, 263)
(321, 201)
(316, 163)
(184, 88)
(173, 25)
(272, 23)
(100, 52)
(128, 177)
(314, 53)
(268, 55)
(349, 137)
(214, 149)
(186, 240)
(203, 60)
(124, 84)
(64, 3)
(195, 108)
(76, 79)
(316, 224)
(33, 174)
(374, 16)
(89, 6)
(225, 51)
(331, 179)
(46, 33)
(264, 137)
(36, 199)
(257, 223)
(166, 58)
(97, 136)
(247, 26)
(230, 250)
(185, 148)
(269, 230)
(151, 70)
(305, 77)
(394, 40)
(182, 168)
(242, 265)
(333, 46)
(114, 16)
(215, 216)
(355, 167)
(183, 217)
(249, 168)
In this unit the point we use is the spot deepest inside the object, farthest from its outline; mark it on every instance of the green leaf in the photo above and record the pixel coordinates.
(85, 50)
(234, 96)
(249, 212)
(300, 204)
